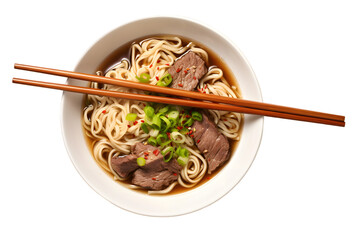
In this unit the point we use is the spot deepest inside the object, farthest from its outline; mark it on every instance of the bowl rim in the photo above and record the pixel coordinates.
(213, 31)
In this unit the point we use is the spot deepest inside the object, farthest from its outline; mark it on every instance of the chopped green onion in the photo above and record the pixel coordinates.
(182, 152)
(183, 118)
(167, 122)
(184, 131)
(152, 141)
(189, 122)
(177, 137)
(131, 116)
(161, 139)
(168, 153)
(144, 78)
(154, 132)
(148, 120)
(196, 116)
(173, 122)
(144, 128)
(165, 80)
(149, 111)
(141, 161)
(156, 122)
(182, 161)
(164, 109)
(174, 114)
(174, 130)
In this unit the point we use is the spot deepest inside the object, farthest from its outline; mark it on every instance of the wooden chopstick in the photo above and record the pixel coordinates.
(183, 93)
(176, 101)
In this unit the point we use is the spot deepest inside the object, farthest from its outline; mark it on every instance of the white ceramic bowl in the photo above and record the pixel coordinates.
(198, 197)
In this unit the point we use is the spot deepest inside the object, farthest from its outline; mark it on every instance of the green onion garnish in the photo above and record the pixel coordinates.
(177, 137)
(196, 116)
(131, 116)
(156, 122)
(182, 161)
(152, 141)
(161, 139)
(184, 131)
(168, 153)
(165, 80)
(182, 152)
(141, 161)
(154, 132)
(144, 128)
(149, 111)
(164, 109)
(174, 114)
(144, 78)
(189, 122)
(167, 123)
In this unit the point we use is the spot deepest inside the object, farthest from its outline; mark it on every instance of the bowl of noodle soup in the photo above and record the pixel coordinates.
(96, 129)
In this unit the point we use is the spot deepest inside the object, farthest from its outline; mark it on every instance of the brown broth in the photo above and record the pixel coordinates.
(123, 52)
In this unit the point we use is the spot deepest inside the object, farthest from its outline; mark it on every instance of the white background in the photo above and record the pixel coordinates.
(305, 180)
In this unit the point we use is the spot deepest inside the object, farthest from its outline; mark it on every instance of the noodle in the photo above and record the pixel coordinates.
(104, 118)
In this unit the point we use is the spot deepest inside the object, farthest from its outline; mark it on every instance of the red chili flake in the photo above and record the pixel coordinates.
(136, 122)
(208, 178)
(168, 134)
(179, 127)
(146, 153)
(175, 174)
(198, 141)
(205, 86)
(202, 89)
(185, 72)
(158, 61)
(199, 90)
(187, 116)
(153, 178)
(150, 66)
(194, 78)
(158, 68)
(142, 121)
(104, 111)
(190, 132)
(192, 135)
(129, 126)
(157, 78)
(146, 157)
(225, 119)
(156, 152)
(180, 85)
(178, 70)
(167, 64)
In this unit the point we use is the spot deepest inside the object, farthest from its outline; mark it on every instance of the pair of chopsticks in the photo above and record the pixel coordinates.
(197, 99)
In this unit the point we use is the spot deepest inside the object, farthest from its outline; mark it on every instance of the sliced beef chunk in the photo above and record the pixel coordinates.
(217, 151)
(153, 180)
(155, 160)
(124, 165)
(157, 180)
(154, 175)
(187, 70)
